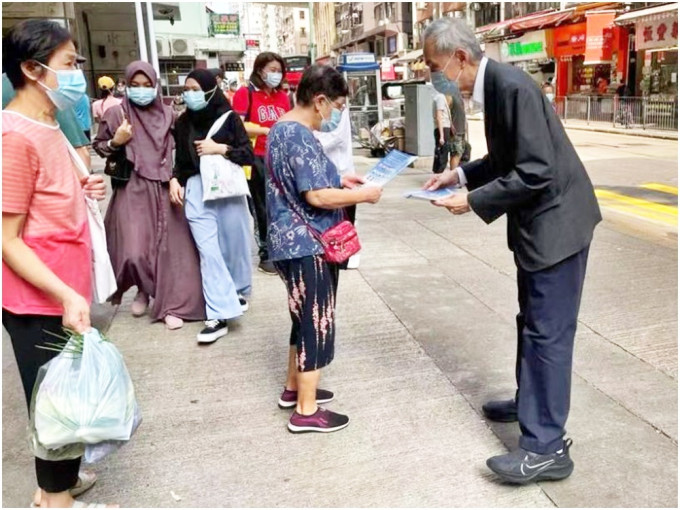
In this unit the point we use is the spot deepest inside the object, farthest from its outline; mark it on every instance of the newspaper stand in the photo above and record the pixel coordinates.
(362, 74)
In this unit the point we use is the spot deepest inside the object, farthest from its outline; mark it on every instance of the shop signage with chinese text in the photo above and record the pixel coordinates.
(657, 32)
(599, 37)
(224, 24)
(530, 46)
(252, 44)
(569, 40)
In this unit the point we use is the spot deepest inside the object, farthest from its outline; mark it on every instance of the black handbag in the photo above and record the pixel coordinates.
(119, 168)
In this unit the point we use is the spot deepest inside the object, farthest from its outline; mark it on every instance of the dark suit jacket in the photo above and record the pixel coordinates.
(531, 173)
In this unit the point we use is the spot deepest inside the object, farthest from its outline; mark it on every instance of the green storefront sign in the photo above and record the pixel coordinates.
(518, 49)
(224, 24)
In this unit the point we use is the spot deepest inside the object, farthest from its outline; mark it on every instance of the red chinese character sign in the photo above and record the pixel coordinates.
(657, 32)
(599, 37)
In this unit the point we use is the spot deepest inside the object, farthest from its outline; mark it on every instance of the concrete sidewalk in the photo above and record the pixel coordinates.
(425, 336)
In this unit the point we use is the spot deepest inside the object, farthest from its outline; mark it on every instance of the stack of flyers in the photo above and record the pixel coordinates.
(431, 195)
(388, 168)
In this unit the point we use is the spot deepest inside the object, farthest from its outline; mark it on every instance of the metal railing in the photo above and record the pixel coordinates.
(627, 112)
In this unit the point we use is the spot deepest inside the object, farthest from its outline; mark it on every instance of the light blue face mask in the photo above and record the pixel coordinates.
(444, 85)
(331, 124)
(195, 99)
(141, 96)
(273, 79)
(71, 86)
(550, 96)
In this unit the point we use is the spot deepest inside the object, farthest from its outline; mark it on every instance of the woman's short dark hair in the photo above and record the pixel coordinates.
(30, 40)
(321, 80)
(260, 63)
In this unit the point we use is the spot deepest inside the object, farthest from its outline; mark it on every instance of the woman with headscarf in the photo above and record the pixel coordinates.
(221, 228)
(148, 239)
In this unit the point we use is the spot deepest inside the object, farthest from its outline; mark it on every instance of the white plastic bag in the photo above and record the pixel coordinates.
(103, 278)
(220, 177)
(97, 452)
(81, 399)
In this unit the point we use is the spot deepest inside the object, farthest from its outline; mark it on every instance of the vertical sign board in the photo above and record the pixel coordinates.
(599, 37)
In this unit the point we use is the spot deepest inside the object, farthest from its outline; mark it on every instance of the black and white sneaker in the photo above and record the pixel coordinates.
(244, 303)
(522, 466)
(213, 330)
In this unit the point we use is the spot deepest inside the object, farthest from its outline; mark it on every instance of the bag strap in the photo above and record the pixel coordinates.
(77, 161)
(250, 102)
(296, 209)
(217, 125)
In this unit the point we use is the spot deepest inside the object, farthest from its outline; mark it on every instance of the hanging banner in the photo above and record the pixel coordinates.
(599, 37)
(660, 31)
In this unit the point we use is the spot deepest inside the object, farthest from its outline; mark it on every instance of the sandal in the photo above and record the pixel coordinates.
(86, 479)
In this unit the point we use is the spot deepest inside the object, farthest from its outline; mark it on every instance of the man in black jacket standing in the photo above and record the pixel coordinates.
(533, 175)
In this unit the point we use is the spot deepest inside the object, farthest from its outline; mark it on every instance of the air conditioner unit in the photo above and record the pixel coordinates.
(163, 47)
(182, 47)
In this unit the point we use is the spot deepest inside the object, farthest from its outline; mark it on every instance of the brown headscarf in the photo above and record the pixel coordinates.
(150, 148)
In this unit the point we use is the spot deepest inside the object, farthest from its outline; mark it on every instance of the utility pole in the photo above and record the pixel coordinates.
(312, 33)
(152, 40)
(141, 34)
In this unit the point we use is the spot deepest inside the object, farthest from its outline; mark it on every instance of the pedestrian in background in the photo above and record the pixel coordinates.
(460, 146)
(442, 131)
(46, 244)
(304, 192)
(231, 90)
(533, 175)
(148, 239)
(549, 93)
(121, 86)
(221, 227)
(260, 105)
(106, 98)
(82, 109)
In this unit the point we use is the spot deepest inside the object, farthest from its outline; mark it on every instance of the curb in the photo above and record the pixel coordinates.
(644, 134)
(661, 136)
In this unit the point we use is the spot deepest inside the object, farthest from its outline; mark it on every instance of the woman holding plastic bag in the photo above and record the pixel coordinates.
(149, 240)
(46, 246)
(220, 227)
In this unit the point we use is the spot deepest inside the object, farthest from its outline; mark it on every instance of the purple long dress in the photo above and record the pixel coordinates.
(148, 238)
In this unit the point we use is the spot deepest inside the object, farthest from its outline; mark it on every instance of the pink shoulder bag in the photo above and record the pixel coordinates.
(339, 242)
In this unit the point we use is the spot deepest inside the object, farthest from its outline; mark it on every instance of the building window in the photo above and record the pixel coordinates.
(302, 14)
(303, 32)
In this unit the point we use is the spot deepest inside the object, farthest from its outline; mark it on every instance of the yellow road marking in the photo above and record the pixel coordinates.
(655, 186)
(666, 214)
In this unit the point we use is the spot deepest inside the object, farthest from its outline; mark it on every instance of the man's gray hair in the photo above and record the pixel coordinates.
(451, 34)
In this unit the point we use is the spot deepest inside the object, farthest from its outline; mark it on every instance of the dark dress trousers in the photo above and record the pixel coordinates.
(533, 174)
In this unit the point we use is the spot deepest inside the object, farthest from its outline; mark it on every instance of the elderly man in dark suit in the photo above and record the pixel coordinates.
(533, 175)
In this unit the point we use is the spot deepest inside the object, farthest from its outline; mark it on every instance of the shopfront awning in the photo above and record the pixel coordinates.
(547, 20)
(410, 56)
(632, 17)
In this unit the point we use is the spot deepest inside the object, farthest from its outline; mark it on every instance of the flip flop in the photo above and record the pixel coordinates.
(86, 480)
(79, 504)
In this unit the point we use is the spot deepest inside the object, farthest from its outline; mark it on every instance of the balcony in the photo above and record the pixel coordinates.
(425, 13)
(453, 6)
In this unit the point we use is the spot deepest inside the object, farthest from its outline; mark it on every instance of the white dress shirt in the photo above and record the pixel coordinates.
(477, 97)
